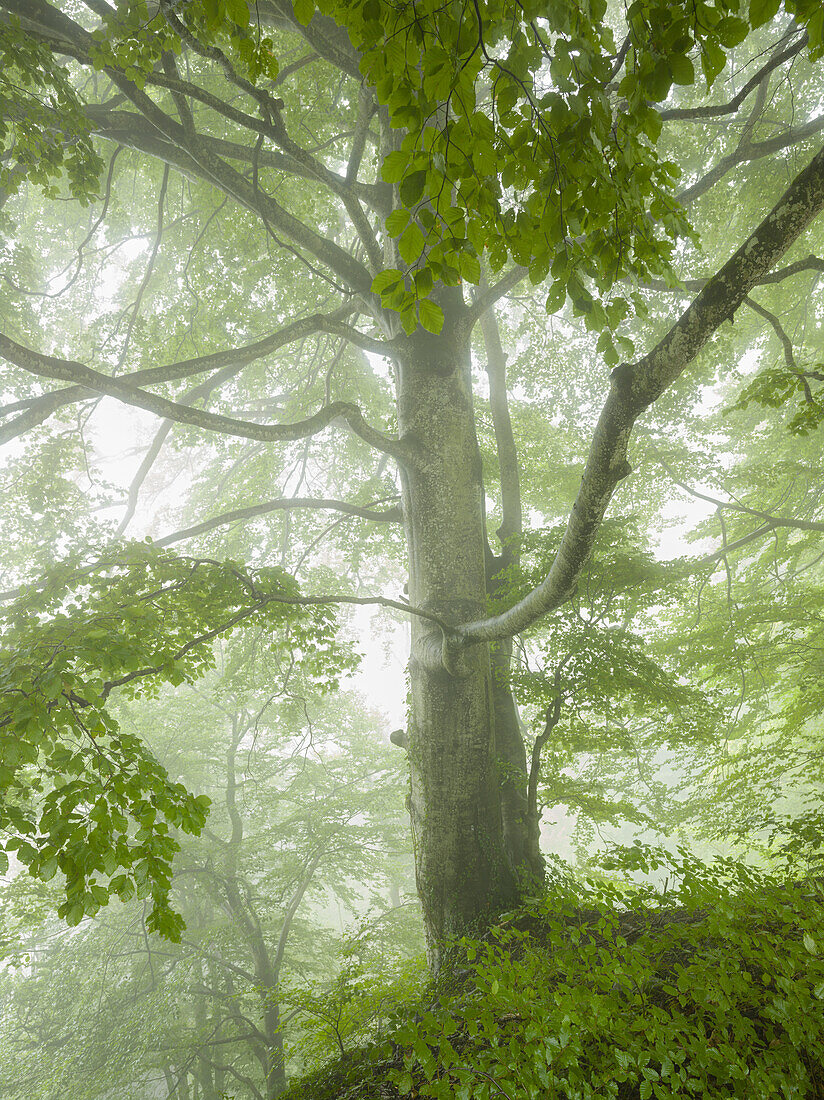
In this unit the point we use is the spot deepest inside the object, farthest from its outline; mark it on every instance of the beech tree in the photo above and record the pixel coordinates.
(390, 173)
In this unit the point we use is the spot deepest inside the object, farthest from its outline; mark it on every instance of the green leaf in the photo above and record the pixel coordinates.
(48, 869)
(538, 270)
(424, 281)
(412, 187)
(731, 30)
(713, 61)
(659, 80)
(411, 244)
(409, 318)
(556, 297)
(430, 315)
(238, 12)
(74, 914)
(403, 1084)
(762, 10)
(304, 10)
(385, 280)
(470, 267)
(682, 69)
(394, 166)
(396, 222)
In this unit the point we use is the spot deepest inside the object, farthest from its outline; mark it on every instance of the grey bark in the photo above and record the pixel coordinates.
(463, 870)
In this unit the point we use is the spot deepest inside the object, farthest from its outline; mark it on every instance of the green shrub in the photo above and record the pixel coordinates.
(599, 990)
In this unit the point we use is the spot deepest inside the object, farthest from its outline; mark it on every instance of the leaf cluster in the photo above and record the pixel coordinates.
(714, 990)
(80, 794)
(44, 132)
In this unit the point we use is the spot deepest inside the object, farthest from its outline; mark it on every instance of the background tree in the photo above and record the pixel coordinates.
(296, 831)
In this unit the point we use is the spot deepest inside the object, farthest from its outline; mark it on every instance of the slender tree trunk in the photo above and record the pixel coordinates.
(276, 1069)
(219, 1080)
(207, 1088)
(521, 840)
(463, 868)
(266, 971)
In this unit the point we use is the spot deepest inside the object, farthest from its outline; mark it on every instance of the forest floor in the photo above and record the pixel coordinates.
(653, 1003)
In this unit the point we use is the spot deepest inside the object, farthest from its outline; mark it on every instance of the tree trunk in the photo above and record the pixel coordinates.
(521, 837)
(463, 868)
(266, 972)
(204, 1077)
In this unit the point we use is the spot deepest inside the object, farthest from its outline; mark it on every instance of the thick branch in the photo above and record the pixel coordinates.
(129, 128)
(274, 216)
(635, 387)
(47, 366)
(38, 409)
(323, 34)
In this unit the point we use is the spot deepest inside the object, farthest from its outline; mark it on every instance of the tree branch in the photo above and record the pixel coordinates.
(56, 28)
(323, 34)
(387, 515)
(553, 717)
(811, 263)
(488, 297)
(771, 521)
(778, 329)
(274, 216)
(254, 609)
(38, 409)
(717, 110)
(46, 366)
(749, 151)
(634, 387)
(129, 128)
(511, 526)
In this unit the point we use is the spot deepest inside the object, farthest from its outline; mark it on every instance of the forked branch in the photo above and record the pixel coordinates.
(35, 410)
(63, 370)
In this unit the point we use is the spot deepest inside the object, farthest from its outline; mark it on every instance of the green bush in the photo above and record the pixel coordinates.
(597, 990)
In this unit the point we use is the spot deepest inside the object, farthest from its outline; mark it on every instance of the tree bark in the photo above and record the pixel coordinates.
(462, 865)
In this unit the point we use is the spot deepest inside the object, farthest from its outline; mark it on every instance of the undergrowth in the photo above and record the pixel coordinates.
(713, 988)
